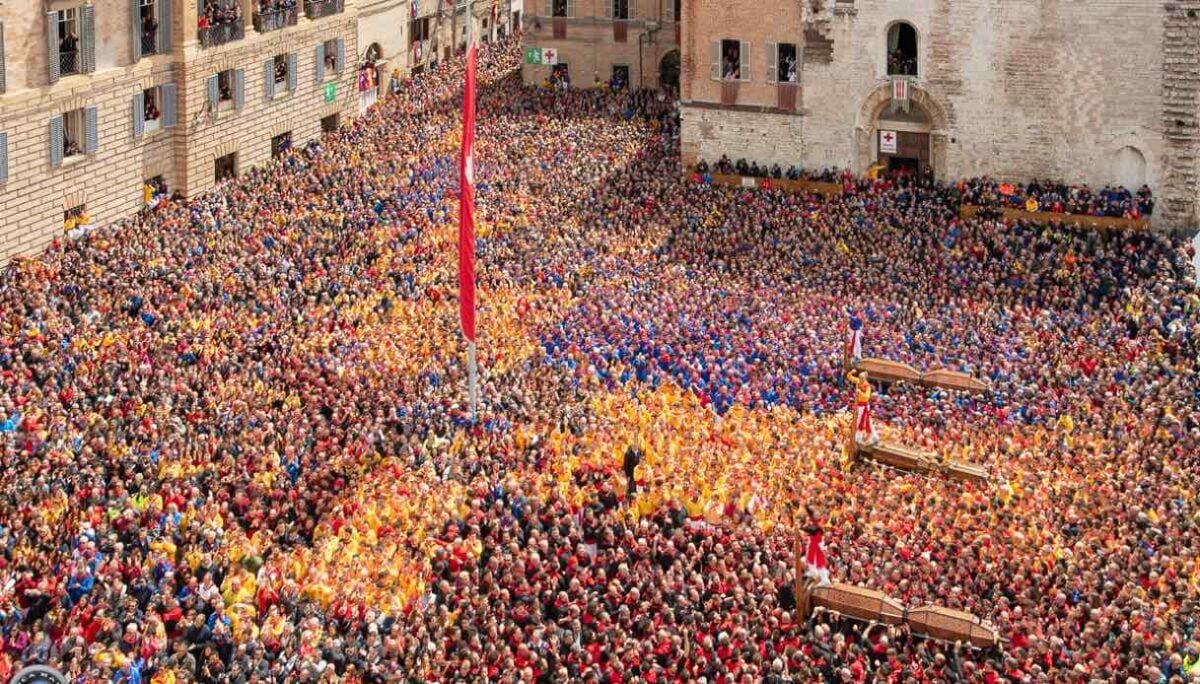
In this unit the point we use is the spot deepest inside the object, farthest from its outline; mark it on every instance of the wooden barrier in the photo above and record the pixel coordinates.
(806, 187)
(1099, 222)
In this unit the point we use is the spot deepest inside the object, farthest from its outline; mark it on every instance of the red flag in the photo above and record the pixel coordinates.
(466, 206)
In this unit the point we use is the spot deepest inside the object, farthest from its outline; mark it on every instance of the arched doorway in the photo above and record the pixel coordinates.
(668, 71)
(1129, 167)
(902, 141)
(918, 132)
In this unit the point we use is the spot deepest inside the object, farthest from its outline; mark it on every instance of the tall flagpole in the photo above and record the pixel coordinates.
(472, 363)
(467, 222)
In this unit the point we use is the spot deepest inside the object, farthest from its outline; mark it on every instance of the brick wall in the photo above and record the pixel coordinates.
(109, 182)
(1016, 88)
(760, 136)
(591, 48)
(248, 132)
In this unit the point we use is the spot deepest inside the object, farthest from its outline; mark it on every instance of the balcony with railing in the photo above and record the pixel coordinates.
(222, 32)
(68, 62)
(149, 41)
(269, 20)
(318, 9)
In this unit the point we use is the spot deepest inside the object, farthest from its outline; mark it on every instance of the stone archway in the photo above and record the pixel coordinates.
(668, 71)
(873, 107)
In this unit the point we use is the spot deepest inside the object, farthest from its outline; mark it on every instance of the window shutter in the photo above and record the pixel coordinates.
(293, 69)
(570, 8)
(608, 8)
(549, 8)
(91, 136)
(135, 33)
(56, 141)
(3, 80)
(3, 158)
(772, 61)
(139, 115)
(269, 78)
(633, 10)
(170, 104)
(214, 92)
(320, 67)
(239, 88)
(341, 54)
(52, 63)
(87, 39)
(164, 26)
(716, 60)
(744, 66)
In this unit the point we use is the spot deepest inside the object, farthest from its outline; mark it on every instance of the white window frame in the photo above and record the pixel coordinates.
(280, 81)
(152, 95)
(75, 121)
(331, 73)
(224, 105)
(70, 16)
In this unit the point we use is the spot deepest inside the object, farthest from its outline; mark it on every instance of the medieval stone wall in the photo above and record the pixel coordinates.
(1095, 92)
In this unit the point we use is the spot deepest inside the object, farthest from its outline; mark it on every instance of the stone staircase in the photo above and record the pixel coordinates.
(1179, 206)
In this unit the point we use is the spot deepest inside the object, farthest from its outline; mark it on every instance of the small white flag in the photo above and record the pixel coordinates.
(549, 56)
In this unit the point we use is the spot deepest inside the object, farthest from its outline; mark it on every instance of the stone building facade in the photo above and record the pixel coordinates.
(632, 41)
(98, 98)
(1098, 92)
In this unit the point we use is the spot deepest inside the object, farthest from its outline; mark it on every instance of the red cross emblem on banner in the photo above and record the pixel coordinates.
(550, 55)
(887, 137)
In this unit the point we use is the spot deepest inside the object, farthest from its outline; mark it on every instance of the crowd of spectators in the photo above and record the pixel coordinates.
(1044, 195)
(1060, 198)
(235, 446)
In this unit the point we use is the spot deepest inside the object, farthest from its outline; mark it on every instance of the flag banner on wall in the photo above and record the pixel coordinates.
(900, 94)
(540, 56)
(887, 142)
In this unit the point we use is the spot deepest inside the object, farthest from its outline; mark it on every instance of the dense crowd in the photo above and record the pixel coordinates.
(1045, 195)
(236, 448)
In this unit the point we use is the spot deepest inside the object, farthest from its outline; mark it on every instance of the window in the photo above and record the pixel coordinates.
(68, 42)
(331, 56)
(220, 21)
(225, 87)
(330, 124)
(281, 69)
(225, 168)
(731, 61)
(560, 76)
(784, 69)
(76, 217)
(620, 9)
(902, 50)
(281, 144)
(148, 23)
(273, 15)
(418, 31)
(153, 190)
(152, 109)
(620, 77)
(74, 133)
(558, 8)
